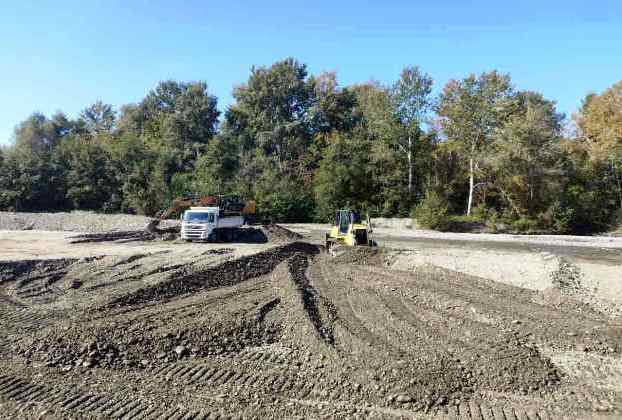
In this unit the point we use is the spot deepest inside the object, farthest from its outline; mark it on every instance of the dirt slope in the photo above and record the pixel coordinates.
(292, 333)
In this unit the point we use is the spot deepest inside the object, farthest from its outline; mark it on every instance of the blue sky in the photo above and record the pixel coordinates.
(64, 55)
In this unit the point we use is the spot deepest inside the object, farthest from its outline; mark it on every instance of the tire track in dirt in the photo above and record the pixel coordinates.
(324, 276)
(298, 266)
(329, 339)
(93, 405)
(502, 306)
(226, 274)
(24, 320)
(474, 410)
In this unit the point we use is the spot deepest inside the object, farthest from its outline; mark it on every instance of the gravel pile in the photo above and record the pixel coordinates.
(76, 221)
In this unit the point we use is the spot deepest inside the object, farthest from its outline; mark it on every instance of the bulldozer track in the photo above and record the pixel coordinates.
(285, 382)
(109, 406)
(473, 410)
(24, 320)
(297, 267)
(94, 405)
(347, 317)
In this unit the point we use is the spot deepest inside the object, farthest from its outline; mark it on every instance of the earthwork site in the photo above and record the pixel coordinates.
(100, 319)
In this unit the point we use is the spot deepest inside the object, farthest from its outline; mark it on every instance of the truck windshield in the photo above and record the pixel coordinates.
(199, 217)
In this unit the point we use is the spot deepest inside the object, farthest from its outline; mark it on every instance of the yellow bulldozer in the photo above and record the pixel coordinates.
(349, 230)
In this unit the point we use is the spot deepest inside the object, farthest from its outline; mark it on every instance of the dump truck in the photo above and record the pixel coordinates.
(208, 218)
(211, 224)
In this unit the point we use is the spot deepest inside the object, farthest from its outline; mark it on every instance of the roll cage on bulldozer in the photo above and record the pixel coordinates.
(349, 230)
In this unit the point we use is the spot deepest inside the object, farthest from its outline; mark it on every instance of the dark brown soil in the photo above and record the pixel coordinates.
(248, 234)
(291, 332)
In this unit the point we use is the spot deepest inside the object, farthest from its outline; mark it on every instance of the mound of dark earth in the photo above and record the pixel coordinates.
(248, 234)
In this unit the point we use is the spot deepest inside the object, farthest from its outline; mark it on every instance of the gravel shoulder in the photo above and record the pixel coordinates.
(400, 229)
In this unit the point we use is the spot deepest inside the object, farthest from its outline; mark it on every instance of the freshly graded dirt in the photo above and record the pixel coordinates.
(290, 332)
(76, 221)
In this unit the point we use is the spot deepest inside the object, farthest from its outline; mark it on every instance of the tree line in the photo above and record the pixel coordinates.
(303, 146)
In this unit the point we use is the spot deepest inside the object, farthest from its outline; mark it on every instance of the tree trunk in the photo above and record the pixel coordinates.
(618, 178)
(471, 186)
(410, 165)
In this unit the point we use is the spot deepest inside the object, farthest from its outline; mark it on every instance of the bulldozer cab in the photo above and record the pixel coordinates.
(345, 218)
(349, 230)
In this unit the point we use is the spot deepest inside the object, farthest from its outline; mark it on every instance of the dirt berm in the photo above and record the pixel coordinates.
(290, 332)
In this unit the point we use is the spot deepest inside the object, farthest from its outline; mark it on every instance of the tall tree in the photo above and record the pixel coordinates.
(98, 118)
(273, 110)
(411, 97)
(38, 134)
(525, 157)
(471, 111)
(177, 115)
(600, 128)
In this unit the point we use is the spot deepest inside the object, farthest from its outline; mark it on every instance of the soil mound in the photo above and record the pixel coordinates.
(361, 255)
(276, 233)
(249, 234)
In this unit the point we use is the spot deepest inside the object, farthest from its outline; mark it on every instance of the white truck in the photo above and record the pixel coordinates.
(209, 224)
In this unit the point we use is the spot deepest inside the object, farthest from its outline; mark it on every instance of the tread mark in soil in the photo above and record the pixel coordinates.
(85, 404)
(226, 274)
(266, 308)
(298, 265)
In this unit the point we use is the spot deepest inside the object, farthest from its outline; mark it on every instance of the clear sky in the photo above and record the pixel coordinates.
(64, 55)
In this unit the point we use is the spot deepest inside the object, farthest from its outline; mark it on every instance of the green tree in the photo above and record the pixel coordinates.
(97, 118)
(411, 97)
(31, 182)
(344, 178)
(525, 157)
(38, 134)
(599, 124)
(272, 124)
(471, 111)
(217, 169)
(177, 115)
(91, 181)
(273, 111)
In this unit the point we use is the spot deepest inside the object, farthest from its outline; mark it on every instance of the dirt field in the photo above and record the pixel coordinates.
(164, 329)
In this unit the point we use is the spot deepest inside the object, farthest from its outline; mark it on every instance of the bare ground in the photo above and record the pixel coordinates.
(282, 330)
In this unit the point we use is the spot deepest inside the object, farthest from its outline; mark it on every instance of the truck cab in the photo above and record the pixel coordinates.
(198, 223)
(208, 224)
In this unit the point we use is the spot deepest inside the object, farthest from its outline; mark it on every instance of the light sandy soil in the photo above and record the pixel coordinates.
(34, 244)
(402, 229)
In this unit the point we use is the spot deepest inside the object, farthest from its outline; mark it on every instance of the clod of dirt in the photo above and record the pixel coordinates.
(26, 271)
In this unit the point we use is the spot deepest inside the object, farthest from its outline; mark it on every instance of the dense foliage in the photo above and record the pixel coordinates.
(303, 146)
